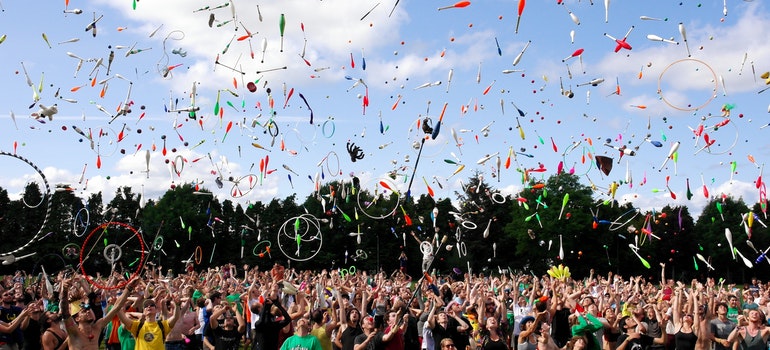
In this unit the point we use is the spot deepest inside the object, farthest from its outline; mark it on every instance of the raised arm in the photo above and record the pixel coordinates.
(119, 304)
(64, 307)
(23, 316)
(676, 305)
(696, 307)
(175, 302)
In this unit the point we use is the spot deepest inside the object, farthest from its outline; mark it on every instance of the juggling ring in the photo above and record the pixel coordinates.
(198, 255)
(688, 109)
(112, 252)
(178, 169)
(470, 225)
(302, 141)
(310, 221)
(83, 254)
(389, 183)
(79, 222)
(107, 131)
(39, 261)
(360, 254)
(270, 126)
(23, 200)
(157, 244)
(347, 272)
(616, 224)
(259, 252)
(494, 197)
(325, 160)
(46, 194)
(426, 248)
(236, 191)
(323, 128)
(590, 163)
(70, 251)
(162, 66)
(735, 141)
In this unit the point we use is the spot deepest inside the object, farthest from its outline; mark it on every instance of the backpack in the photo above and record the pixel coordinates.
(160, 325)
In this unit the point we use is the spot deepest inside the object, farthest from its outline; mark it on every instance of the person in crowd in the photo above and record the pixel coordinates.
(227, 336)
(53, 336)
(752, 332)
(302, 339)
(83, 328)
(632, 337)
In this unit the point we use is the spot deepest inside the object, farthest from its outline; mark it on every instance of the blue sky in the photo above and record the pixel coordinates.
(408, 59)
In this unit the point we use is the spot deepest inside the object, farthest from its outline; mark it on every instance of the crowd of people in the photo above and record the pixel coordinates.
(247, 308)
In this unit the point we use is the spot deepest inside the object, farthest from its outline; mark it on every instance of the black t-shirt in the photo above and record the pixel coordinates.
(348, 337)
(439, 333)
(32, 335)
(375, 344)
(653, 330)
(459, 338)
(226, 339)
(489, 344)
(560, 329)
(642, 343)
(411, 337)
(7, 315)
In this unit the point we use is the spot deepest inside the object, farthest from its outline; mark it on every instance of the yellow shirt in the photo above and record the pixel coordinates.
(323, 338)
(150, 336)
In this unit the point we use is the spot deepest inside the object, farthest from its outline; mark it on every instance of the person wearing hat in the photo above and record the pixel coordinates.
(528, 337)
(82, 327)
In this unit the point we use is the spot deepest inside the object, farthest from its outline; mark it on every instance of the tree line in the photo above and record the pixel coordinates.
(552, 221)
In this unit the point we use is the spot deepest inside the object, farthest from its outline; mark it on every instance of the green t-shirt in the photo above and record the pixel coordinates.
(127, 341)
(296, 342)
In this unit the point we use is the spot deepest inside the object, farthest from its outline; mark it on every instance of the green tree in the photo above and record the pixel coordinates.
(478, 228)
(719, 215)
(544, 228)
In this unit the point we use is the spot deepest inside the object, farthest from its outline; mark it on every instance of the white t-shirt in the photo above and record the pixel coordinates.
(520, 312)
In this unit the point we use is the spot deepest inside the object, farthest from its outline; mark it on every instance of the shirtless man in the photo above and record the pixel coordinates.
(83, 328)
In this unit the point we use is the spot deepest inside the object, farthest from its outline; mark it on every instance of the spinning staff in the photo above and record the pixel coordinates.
(433, 134)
